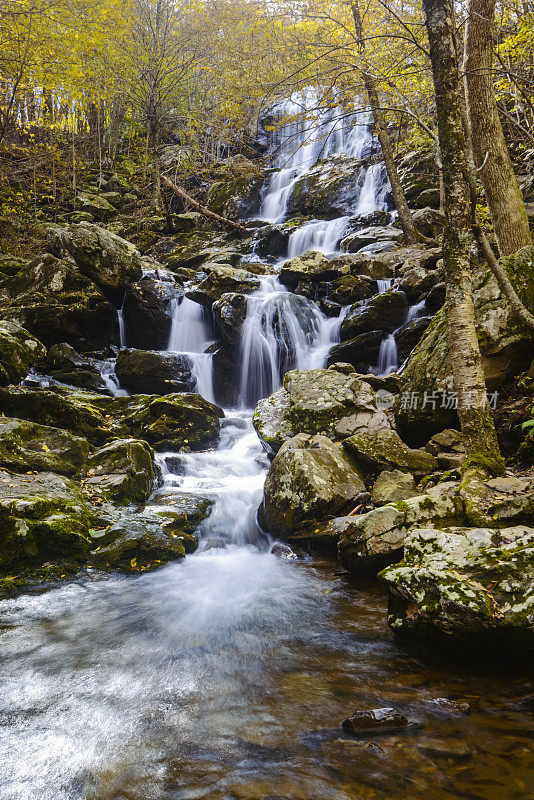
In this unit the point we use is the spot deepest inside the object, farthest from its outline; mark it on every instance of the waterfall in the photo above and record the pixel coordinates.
(191, 335)
(388, 358)
(374, 190)
(122, 328)
(319, 235)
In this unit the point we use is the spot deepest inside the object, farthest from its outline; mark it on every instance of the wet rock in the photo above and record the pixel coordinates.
(122, 472)
(417, 281)
(409, 335)
(361, 351)
(376, 721)
(64, 364)
(19, 351)
(312, 266)
(148, 309)
(445, 748)
(368, 542)
(284, 552)
(393, 485)
(386, 311)
(350, 289)
(56, 303)
(42, 517)
(138, 546)
(222, 280)
(26, 446)
(310, 478)
(181, 516)
(106, 259)
(470, 585)
(273, 242)
(370, 236)
(328, 189)
(153, 372)
(379, 450)
(435, 299)
(229, 313)
(442, 706)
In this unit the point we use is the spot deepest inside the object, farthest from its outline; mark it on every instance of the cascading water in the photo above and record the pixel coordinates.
(191, 335)
(321, 235)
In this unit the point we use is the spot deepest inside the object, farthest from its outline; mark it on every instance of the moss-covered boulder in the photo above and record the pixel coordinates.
(64, 364)
(468, 586)
(42, 517)
(99, 207)
(19, 351)
(361, 351)
(350, 289)
(221, 280)
(154, 372)
(27, 446)
(311, 478)
(56, 303)
(312, 266)
(329, 189)
(335, 402)
(384, 449)
(138, 546)
(181, 516)
(108, 260)
(122, 471)
(370, 541)
(148, 309)
(392, 485)
(384, 312)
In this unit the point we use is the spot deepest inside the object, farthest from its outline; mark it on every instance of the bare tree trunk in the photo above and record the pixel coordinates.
(473, 411)
(489, 146)
(411, 234)
(189, 201)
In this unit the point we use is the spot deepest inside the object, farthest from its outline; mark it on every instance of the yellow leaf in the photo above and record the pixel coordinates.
(133, 563)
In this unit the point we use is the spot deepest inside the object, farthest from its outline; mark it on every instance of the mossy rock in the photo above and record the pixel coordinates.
(19, 351)
(329, 189)
(122, 472)
(384, 312)
(26, 446)
(379, 450)
(221, 280)
(139, 547)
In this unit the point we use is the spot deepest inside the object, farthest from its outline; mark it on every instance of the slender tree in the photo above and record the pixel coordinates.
(489, 146)
(473, 411)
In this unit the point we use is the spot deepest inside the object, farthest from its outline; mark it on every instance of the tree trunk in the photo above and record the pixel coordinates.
(489, 146)
(411, 234)
(473, 411)
(189, 201)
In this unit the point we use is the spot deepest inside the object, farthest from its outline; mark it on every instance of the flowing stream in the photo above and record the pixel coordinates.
(227, 676)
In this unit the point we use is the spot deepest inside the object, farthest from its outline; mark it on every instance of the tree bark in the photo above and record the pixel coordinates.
(411, 234)
(473, 410)
(228, 223)
(489, 146)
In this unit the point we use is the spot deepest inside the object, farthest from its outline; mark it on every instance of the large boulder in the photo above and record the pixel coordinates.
(56, 303)
(361, 351)
(335, 402)
(429, 222)
(106, 259)
(392, 485)
(473, 586)
(329, 189)
(384, 449)
(349, 289)
(384, 312)
(153, 372)
(372, 236)
(64, 364)
(311, 478)
(229, 313)
(19, 351)
(409, 335)
(221, 280)
(139, 546)
(122, 471)
(370, 541)
(426, 403)
(312, 266)
(148, 309)
(27, 446)
(99, 207)
(42, 517)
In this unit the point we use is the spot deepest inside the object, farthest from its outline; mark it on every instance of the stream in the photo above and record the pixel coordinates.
(227, 676)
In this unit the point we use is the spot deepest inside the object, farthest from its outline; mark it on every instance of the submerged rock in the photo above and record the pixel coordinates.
(19, 351)
(472, 585)
(376, 721)
(26, 446)
(311, 478)
(153, 372)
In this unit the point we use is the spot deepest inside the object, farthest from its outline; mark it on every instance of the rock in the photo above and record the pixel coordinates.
(329, 189)
(370, 236)
(106, 259)
(140, 547)
(473, 586)
(435, 299)
(167, 423)
(99, 207)
(42, 517)
(429, 198)
(11, 265)
(369, 541)
(409, 335)
(284, 552)
(429, 222)
(384, 449)
(273, 242)
(309, 479)
(19, 351)
(332, 401)
(360, 351)
(385, 312)
(443, 707)
(64, 364)
(153, 372)
(350, 289)
(53, 300)
(148, 309)
(445, 748)
(449, 440)
(26, 446)
(312, 266)
(229, 313)
(122, 472)
(182, 516)
(376, 721)
(393, 485)
(222, 280)
(417, 281)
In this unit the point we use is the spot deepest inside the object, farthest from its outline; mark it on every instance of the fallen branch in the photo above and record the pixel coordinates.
(228, 223)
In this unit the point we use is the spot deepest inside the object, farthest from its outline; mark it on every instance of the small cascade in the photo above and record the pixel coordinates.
(191, 335)
(388, 358)
(107, 371)
(415, 310)
(319, 235)
(384, 285)
(122, 328)
(374, 190)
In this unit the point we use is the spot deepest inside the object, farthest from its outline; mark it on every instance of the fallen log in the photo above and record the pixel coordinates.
(228, 223)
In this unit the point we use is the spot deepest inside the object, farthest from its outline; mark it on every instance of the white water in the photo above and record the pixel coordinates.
(388, 357)
(374, 190)
(122, 328)
(191, 334)
(322, 235)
